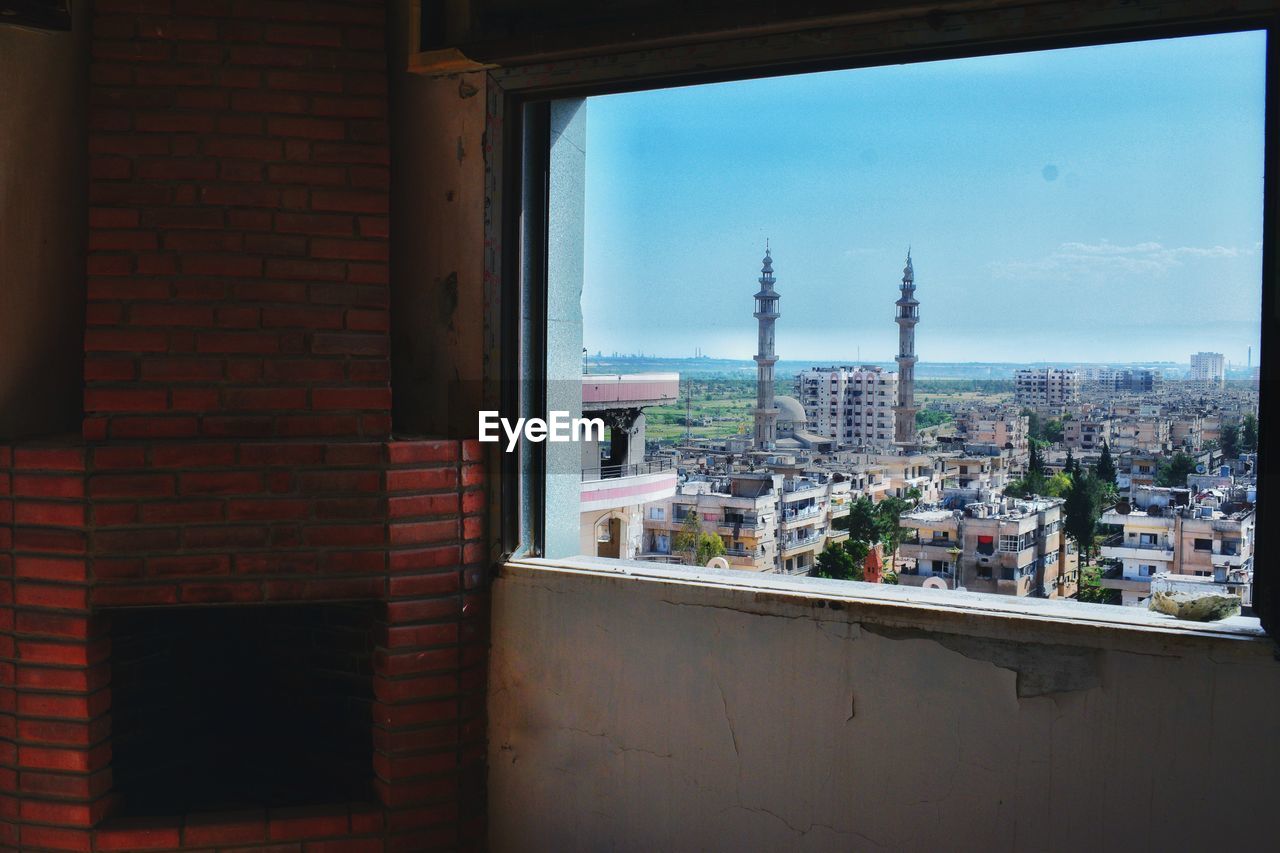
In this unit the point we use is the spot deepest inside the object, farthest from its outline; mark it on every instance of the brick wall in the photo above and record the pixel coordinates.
(236, 446)
(237, 271)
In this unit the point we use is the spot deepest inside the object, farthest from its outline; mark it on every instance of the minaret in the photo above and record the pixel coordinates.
(766, 414)
(904, 414)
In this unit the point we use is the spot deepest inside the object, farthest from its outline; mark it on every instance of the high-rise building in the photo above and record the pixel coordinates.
(766, 413)
(1208, 368)
(904, 413)
(1046, 387)
(852, 405)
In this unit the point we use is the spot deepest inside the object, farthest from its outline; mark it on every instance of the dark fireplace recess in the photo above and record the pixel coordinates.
(223, 708)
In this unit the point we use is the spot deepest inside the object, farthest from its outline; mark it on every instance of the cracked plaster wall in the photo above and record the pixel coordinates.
(629, 715)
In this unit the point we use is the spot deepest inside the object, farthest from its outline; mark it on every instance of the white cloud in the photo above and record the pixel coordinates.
(1074, 260)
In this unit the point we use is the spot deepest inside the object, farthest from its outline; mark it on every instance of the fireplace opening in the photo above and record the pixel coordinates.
(228, 708)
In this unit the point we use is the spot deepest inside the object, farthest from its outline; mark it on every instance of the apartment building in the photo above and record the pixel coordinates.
(1046, 388)
(1141, 435)
(769, 521)
(740, 508)
(1124, 380)
(1087, 433)
(1000, 429)
(1006, 547)
(1186, 431)
(1197, 539)
(1208, 369)
(852, 405)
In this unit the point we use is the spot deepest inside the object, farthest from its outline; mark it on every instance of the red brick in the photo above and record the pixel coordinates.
(50, 838)
(220, 483)
(351, 201)
(131, 485)
(53, 625)
(121, 340)
(351, 398)
(126, 400)
(306, 128)
(208, 564)
(403, 452)
(131, 596)
(221, 593)
(425, 558)
(421, 479)
(300, 823)
(220, 829)
(138, 834)
(51, 568)
(45, 595)
(423, 532)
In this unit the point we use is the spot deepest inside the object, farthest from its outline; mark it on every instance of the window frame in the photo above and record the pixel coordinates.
(517, 172)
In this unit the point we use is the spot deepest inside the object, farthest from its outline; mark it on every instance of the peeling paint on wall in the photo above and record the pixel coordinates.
(1041, 669)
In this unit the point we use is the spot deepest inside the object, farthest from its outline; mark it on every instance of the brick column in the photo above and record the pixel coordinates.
(237, 446)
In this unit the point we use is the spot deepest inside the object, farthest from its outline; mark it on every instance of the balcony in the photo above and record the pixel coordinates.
(628, 390)
(790, 516)
(801, 542)
(613, 486)
(1119, 548)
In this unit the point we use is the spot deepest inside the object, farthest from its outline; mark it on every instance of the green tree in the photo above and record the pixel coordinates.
(1070, 467)
(1033, 423)
(1230, 440)
(858, 550)
(698, 544)
(1035, 461)
(1106, 467)
(889, 577)
(888, 514)
(1175, 471)
(861, 522)
(837, 563)
(1052, 431)
(1090, 588)
(1058, 485)
(1082, 512)
(1249, 434)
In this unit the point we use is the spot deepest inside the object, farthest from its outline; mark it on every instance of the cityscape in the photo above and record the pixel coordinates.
(1102, 484)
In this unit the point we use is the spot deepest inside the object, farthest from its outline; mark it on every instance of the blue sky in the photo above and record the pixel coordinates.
(1091, 204)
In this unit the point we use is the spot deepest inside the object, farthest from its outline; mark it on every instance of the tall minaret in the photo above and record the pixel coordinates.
(766, 414)
(904, 414)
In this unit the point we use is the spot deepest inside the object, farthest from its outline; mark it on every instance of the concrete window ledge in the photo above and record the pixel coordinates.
(635, 707)
(904, 608)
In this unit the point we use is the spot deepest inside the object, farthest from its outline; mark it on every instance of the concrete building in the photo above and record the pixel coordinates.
(908, 315)
(1087, 432)
(1141, 435)
(1208, 369)
(852, 405)
(739, 508)
(1002, 429)
(1046, 389)
(766, 314)
(1192, 539)
(1007, 547)
(617, 480)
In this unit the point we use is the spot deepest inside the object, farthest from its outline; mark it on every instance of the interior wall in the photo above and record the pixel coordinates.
(437, 247)
(750, 721)
(43, 225)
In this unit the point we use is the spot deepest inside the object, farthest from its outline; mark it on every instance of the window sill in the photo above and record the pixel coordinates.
(969, 613)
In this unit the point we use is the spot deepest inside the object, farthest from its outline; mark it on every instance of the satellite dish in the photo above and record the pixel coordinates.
(1123, 507)
(1200, 469)
(717, 563)
(934, 583)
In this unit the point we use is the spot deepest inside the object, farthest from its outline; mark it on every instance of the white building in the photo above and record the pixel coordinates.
(1209, 368)
(1046, 387)
(852, 405)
